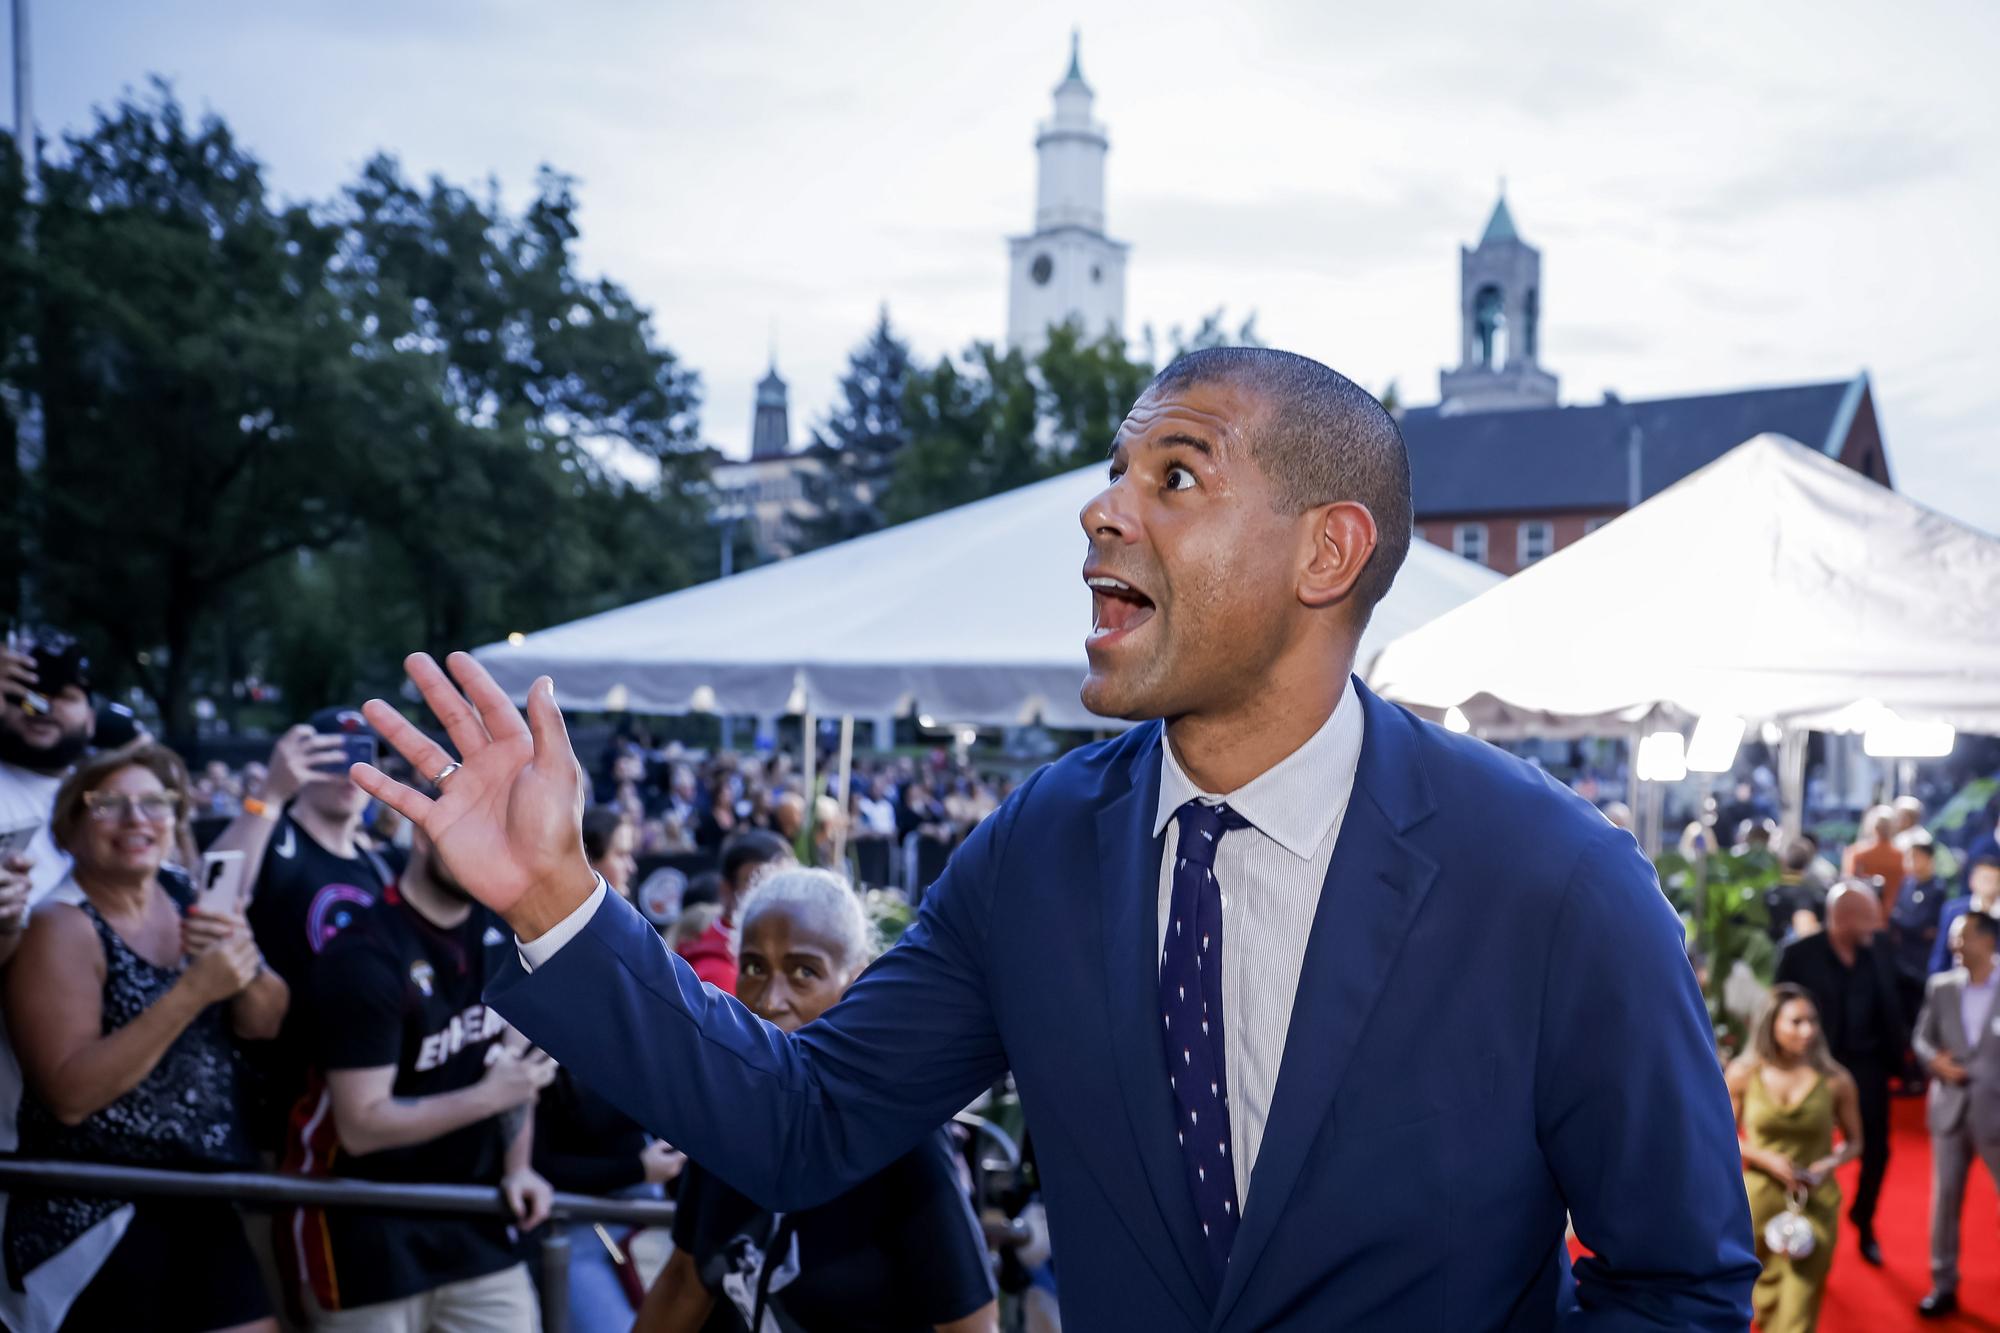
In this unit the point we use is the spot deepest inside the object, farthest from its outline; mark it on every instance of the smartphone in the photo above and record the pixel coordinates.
(15, 841)
(31, 703)
(221, 890)
(354, 750)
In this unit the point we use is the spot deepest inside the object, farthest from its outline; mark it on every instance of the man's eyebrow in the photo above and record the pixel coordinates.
(1181, 438)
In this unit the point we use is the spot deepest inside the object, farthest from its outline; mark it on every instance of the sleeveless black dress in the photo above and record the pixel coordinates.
(185, 1114)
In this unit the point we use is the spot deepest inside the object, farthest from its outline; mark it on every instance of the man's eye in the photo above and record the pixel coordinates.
(1179, 478)
(806, 974)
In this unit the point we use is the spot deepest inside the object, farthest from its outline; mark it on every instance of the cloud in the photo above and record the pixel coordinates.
(1328, 232)
(1820, 166)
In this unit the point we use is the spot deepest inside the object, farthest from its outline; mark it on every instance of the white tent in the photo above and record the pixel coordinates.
(1772, 585)
(977, 614)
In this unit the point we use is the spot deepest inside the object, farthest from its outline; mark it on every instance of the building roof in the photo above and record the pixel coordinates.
(1541, 460)
(1500, 227)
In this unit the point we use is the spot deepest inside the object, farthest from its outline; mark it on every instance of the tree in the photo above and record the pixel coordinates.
(987, 421)
(972, 422)
(295, 442)
(192, 370)
(507, 516)
(1086, 389)
(858, 444)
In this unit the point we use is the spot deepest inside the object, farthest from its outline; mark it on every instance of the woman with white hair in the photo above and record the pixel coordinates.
(901, 1251)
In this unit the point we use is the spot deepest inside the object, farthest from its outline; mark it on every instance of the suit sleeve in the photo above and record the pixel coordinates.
(1632, 1113)
(1941, 947)
(1926, 1040)
(1788, 966)
(789, 1121)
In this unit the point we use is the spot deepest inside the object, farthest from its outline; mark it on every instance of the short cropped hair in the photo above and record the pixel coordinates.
(1985, 923)
(823, 893)
(750, 848)
(600, 826)
(1323, 439)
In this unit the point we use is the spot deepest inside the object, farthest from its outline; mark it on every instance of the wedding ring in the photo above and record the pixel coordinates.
(444, 773)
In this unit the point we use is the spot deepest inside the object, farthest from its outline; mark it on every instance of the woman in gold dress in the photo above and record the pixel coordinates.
(1790, 1096)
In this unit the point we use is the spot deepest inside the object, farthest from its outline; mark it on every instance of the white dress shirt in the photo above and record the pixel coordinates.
(1271, 874)
(1975, 1003)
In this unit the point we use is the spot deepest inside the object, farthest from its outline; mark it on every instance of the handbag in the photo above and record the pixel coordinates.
(1790, 1233)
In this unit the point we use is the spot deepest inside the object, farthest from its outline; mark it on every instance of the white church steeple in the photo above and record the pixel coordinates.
(1068, 268)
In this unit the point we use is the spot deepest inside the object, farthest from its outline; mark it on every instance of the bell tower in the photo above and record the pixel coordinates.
(1067, 268)
(1500, 313)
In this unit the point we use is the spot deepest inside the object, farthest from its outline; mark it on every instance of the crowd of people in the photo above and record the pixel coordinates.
(304, 991)
(1885, 985)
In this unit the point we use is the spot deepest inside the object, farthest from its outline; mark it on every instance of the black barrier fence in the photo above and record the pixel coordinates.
(264, 1191)
(258, 1190)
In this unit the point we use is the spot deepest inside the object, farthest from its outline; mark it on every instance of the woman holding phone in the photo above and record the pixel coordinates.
(123, 1005)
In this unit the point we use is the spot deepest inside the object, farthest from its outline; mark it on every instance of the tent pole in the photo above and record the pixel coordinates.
(1792, 747)
(846, 771)
(811, 757)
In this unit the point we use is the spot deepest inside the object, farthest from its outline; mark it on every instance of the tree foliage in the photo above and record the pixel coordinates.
(858, 444)
(293, 441)
(986, 420)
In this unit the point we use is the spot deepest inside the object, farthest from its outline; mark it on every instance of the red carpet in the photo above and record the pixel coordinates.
(1860, 1299)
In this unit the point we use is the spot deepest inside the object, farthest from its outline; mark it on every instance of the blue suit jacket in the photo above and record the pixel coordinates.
(1496, 1023)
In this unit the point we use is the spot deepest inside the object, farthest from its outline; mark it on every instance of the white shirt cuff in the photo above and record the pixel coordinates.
(543, 947)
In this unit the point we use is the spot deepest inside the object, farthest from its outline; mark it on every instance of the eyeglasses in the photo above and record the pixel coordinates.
(109, 808)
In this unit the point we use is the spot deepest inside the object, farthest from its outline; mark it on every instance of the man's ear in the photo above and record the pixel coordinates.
(1343, 538)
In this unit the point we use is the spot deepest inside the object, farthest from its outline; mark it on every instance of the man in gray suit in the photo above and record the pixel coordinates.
(1958, 1040)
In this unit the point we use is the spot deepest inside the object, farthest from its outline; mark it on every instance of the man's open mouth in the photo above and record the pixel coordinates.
(1117, 606)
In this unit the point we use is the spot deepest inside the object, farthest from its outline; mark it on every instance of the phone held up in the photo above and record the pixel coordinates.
(15, 841)
(26, 700)
(220, 892)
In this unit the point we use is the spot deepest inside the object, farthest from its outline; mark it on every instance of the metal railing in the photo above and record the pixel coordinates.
(260, 1190)
(266, 1191)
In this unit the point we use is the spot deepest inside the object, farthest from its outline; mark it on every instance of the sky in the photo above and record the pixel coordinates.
(1724, 195)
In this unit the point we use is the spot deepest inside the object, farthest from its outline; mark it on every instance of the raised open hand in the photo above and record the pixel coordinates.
(508, 821)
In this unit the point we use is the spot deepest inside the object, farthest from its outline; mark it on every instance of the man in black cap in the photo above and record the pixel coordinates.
(318, 873)
(46, 725)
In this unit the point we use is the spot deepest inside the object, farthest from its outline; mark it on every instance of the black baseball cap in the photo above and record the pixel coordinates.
(117, 727)
(340, 722)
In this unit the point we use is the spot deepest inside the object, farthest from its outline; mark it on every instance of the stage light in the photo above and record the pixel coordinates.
(1456, 720)
(1662, 757)
(1892, 737)
(1713, 747)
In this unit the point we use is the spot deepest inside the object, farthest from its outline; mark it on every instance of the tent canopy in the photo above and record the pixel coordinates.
(977, 614)
(1773, 584)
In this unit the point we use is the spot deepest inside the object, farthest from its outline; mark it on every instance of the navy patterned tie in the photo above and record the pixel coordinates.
(1191, 1009)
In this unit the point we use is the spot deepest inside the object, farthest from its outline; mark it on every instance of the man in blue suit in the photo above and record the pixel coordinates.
(1322, 1017)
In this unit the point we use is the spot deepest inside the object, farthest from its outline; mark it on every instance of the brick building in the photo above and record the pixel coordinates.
(1503, 475)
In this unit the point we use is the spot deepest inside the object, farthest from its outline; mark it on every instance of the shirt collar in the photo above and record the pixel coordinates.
(1296, 801)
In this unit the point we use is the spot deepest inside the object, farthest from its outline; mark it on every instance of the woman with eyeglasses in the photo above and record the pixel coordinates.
(124, 1004)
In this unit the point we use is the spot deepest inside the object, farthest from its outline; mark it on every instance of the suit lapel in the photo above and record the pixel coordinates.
(1129, 870)
(1374, 887)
